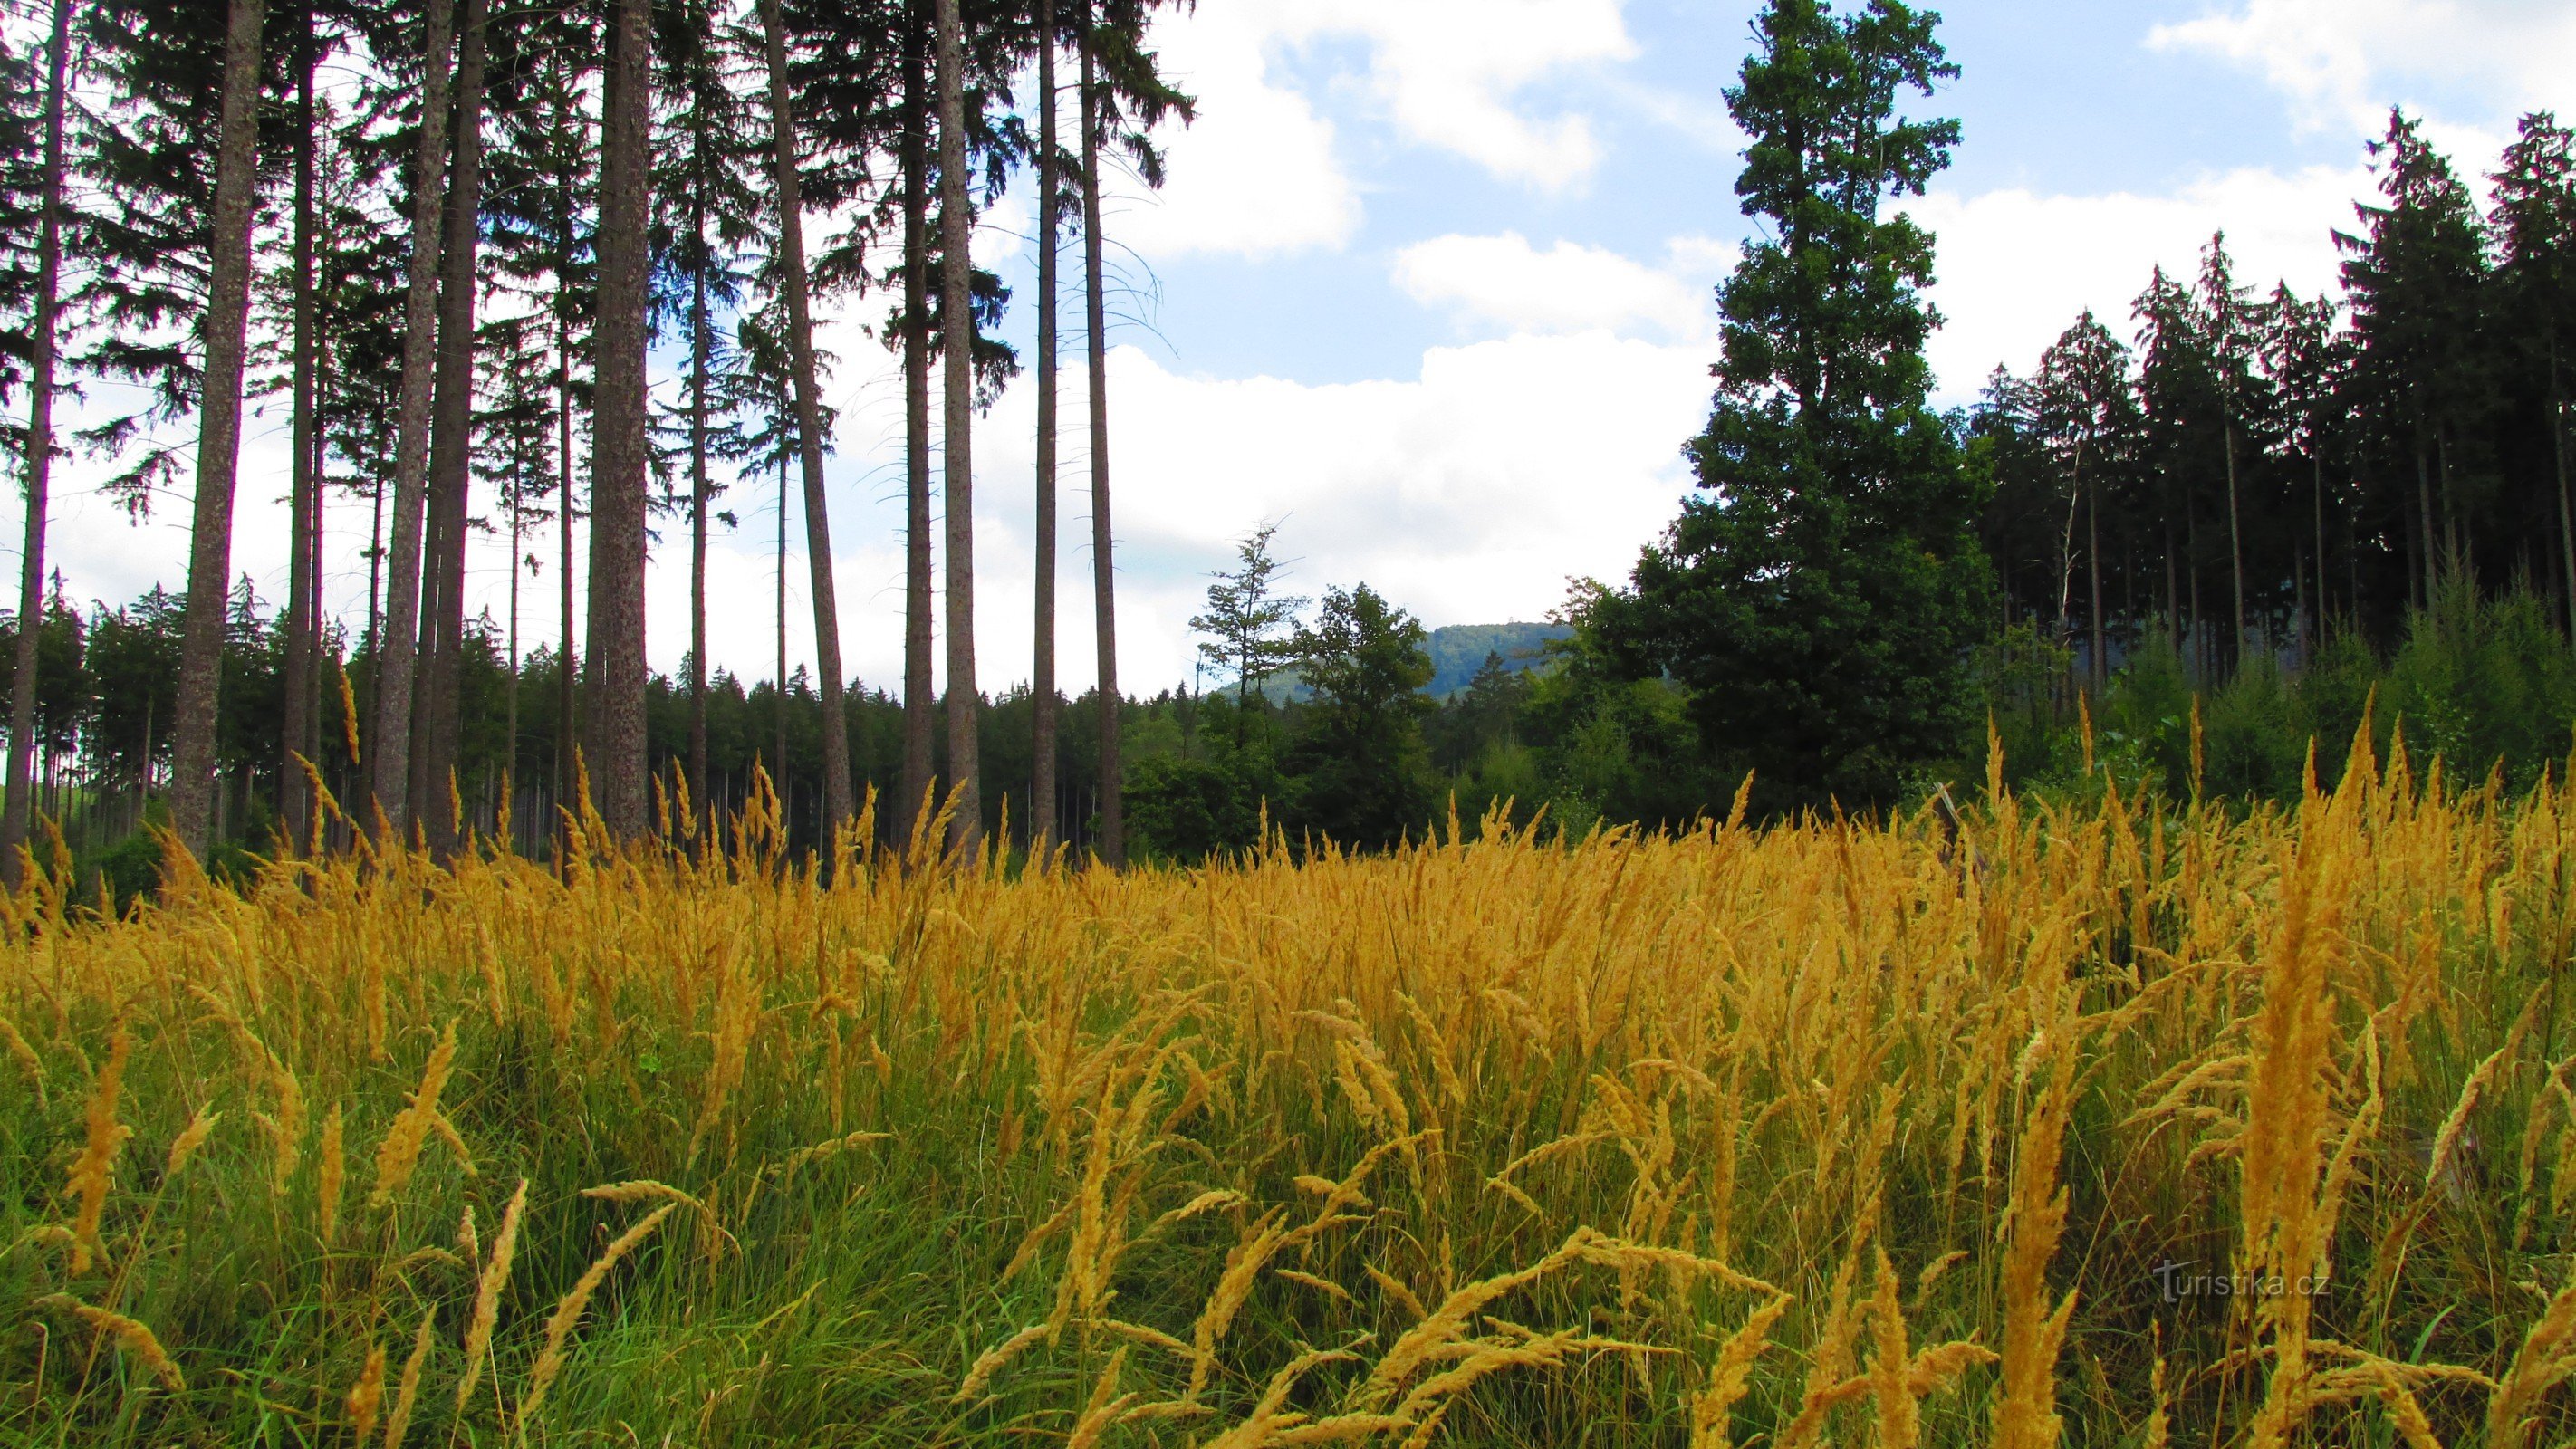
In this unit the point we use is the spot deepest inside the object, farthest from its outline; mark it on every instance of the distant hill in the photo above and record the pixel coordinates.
(1457, 651)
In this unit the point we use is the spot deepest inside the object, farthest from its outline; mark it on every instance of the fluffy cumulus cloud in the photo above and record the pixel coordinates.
(2343, 61)
(1260, 172)
(1256, 174)
(1447, 71)
(1468, 493)
(1506, 282)
(2015, 267)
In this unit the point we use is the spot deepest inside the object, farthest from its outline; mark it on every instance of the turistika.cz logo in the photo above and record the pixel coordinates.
(2176, 1282)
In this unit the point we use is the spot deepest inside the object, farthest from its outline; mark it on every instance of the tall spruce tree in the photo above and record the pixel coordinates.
(2535, 230)
(1820, 603)
(42, 338)
(2414, 272)
(389, 741)
(794, 289)
(708, 204)
(1124, 97)
(224, 337)
(2084, 400)
(614, 735)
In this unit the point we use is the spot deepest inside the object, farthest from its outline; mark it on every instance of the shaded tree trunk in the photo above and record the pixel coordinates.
(2235, 549)
(919, 703)
(2317, 467)
(838, 806)
(436, 719)
(295, 737)
(16, 821)
(567, 658)
(698, 499)
(210, 551)
(615, 737)
(1113, 834)
(1042, 713)
(957, 319)
(2566, 507)
(778, 713)
(2093, 550)
(388, 743)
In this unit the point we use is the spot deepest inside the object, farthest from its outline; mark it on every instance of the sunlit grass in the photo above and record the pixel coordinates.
(1829, 1131)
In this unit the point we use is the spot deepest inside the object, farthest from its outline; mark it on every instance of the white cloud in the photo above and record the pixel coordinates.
(1467, 494)
(2015, 267)
(1447, 69)
(1255, 175)
(1504, 280)
(2344, 61)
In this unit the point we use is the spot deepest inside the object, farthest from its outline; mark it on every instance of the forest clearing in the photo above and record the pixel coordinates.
(1997, 1127)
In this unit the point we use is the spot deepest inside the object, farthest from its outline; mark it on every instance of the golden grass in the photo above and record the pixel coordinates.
(1828, 1132)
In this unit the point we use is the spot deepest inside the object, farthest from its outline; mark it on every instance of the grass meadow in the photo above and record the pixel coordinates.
(2111, 1121)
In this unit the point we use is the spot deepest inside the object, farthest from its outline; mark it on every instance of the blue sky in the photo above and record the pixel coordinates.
(1430, 285)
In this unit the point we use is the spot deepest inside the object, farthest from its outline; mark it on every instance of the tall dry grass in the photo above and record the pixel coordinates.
(2042, 1123)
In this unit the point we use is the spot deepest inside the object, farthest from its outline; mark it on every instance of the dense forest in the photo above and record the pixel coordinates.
(508, 270)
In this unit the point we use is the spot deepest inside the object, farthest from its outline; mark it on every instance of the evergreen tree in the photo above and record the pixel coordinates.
(1123, 99)
(708, 206)
(2414, 273)
(2535, 230)
(2305, 361)
(389, 740)
(794, 290)
(224, 339)
(1249, 628)
(2084, 403)
(1820, 604)
(39, 143)
(2229, 325)
(1364, 781)
(620, 448)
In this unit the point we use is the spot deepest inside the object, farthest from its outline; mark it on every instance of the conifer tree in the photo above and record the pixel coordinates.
(2084, 399)
(2535, 230)
(788, 197)
(2414, 272)
(224, 338)
(389, 742)
(39, 439)
(615, 727)
(1819, 605)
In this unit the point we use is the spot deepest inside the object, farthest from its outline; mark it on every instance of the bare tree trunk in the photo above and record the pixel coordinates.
(778, 714)
(295, 737)
(2317, 465)
(510, 725)
(2235, 547)
(2093, 549)
(701, 341)
(1113, 833)
(567, 657)
(617, 473)
(1042, 688)
(16, 821)
(436, 715)
(919, 705)
(388, 744)
(838, 806)
(210, 551)
(2429, 571)
(2566, 509)
(698, 499)
(957, 320)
